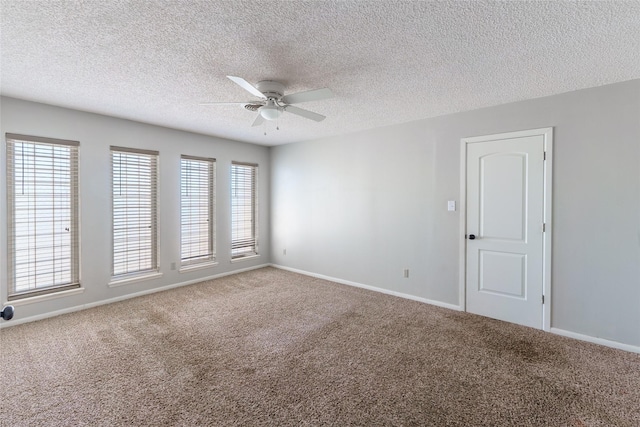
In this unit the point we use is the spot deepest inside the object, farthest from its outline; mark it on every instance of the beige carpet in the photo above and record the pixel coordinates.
(269, 347)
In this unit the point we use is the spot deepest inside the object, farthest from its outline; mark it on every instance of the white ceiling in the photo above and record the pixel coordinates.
(387, 62)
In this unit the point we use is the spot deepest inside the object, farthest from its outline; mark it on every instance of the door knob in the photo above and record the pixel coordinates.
(472, 236)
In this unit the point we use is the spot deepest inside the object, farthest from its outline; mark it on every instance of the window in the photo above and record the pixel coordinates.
(134, 201)
(42, 215)
(244, 210)
(197, 210)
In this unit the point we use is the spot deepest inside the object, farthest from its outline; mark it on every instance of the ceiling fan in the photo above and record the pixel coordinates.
(273, 102)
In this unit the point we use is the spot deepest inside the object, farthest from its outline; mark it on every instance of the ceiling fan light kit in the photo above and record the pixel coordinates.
(273, 102)
(270, 111)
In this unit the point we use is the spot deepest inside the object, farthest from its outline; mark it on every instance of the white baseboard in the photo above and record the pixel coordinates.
(371, 288)
(123, 297)
(601, 341)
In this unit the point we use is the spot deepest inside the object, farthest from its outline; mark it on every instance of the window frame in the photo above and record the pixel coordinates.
(210, 257)
(252, 242)
(154, 269)
(73, 207)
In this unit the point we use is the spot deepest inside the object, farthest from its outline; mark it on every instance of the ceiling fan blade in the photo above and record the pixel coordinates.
(304, 113)
(258, 121)
(310, 95)
(246, 86)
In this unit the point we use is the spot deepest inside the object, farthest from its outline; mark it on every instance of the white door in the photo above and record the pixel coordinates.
(505, 186)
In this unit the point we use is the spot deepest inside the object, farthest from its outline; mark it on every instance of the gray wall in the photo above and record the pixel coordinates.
(363, 207)
(96, 133)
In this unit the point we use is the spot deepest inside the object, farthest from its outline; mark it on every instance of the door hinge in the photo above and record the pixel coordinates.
(544, 227)
(542, 299)
(544, 156)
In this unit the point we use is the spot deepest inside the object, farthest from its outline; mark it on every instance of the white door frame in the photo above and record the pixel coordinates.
(546, 260)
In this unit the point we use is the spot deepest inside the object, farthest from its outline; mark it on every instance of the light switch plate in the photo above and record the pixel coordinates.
(451, 205)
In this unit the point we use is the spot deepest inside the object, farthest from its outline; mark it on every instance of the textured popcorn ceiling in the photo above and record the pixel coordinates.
(386, 61)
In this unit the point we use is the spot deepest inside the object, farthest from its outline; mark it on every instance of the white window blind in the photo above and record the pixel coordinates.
(197, 210)
(135, 206)
(244, 210)
(42, 215)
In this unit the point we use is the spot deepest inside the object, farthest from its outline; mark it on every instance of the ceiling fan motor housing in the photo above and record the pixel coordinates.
(271, 89)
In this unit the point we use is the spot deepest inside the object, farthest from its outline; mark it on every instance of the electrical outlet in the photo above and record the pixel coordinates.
(406, 273)
(284, 252)
(173, 265)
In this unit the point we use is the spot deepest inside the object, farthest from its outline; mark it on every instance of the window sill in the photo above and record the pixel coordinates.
(244, 258)
(46, 297)
(133, 279)
(200, 266)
